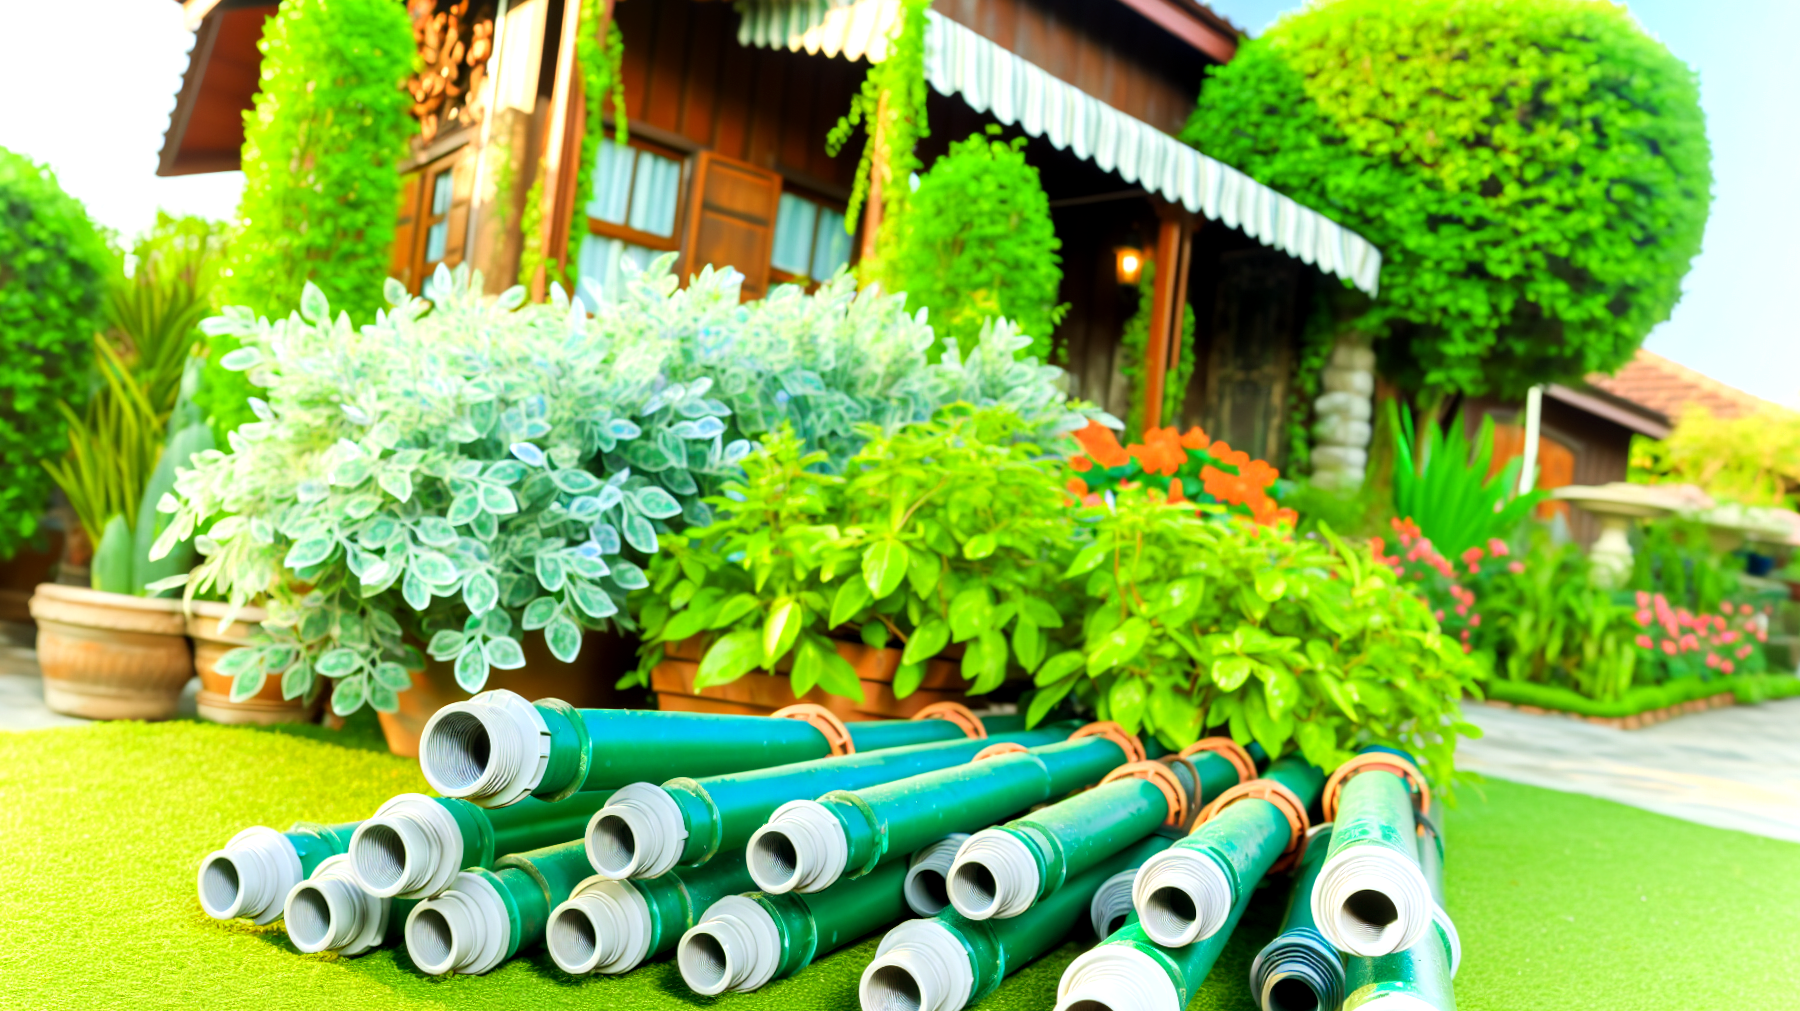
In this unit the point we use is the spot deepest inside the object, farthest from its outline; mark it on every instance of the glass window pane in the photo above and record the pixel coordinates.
(601, 259)
(831, 249)
(436, 238)
(442, 189)
(612, 183)
(655, 193)
(794, 221)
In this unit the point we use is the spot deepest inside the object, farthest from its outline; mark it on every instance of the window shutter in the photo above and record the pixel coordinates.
(400, 261)
(731, 221)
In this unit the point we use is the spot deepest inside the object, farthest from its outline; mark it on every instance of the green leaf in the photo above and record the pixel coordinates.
(480, 593)
(338, 663)
(783, 625)
(246, 685)
(393, 676)
(1271, 585)
(1118, 646)
(539, 613)
(734, 608)
(593, 601)
(471, 668)
(347, 696)
(433, 568)
(310, 552)
(1045, 699)
(979, 546)
(851, 598)
(1126, 701)
(971, 612)
(1060, 666)
(875, 635)
(497, 500)
(563, 637)
(297, 681)
(1028, 643)
(1174, 714)
(1040, 612)
(1230, 672)
(504, 652)
(907, 679)
(734, 655)
(923, 572)
(884, 566)
(927, 641)
(1088, 559)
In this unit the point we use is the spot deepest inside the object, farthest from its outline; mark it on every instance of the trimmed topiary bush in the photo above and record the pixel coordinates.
(54, 267)
(1535, 173)
(320, 147)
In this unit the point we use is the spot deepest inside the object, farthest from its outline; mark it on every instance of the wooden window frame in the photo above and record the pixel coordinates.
(418, 222)
(671, 243)
(779, 276)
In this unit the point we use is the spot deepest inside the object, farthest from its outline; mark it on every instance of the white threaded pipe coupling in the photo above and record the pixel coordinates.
(735, 946)
(801, 848)
(920, 966)
(330, 912)
(994, 876)
(463, 930)
(927, 885)
(250, 877)
(411, 849)
(490, 751)
(1116, 977)
(1111, 903)
(638, 834)
(1372, 900)
(603, 927)
(1182, 895)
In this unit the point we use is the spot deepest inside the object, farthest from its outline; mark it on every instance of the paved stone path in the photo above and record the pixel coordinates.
(1736, 768)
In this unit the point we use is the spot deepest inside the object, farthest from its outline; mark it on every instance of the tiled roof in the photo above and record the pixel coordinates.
(1667, 388)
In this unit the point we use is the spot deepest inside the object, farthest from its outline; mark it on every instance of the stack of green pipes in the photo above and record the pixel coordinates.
(748, 847)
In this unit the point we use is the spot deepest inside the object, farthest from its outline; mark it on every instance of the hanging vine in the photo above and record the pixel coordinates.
(891, 109)
(1132, 343)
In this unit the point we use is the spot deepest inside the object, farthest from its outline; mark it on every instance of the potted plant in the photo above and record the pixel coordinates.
(944, 535)
(466, 470)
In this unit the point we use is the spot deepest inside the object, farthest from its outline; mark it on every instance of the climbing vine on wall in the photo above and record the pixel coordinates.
(1132, 342)
(891, 109)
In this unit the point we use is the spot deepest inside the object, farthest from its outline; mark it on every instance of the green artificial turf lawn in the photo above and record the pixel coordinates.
(1563, 901)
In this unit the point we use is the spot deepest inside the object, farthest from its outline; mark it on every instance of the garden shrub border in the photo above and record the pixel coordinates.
(1646, 704)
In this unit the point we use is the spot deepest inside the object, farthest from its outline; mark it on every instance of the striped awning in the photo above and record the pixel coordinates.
(995, 81)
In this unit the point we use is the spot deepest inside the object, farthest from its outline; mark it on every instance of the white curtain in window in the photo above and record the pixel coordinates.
(795, 219)
(655, 193)
(612, 183)
(601, 259)
(831, 249)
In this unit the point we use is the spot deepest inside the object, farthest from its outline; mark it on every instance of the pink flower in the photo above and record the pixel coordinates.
(1643, 642)
(1725, 606)
(1688, 641)
(1498, 548)
(1727, 666)
(1745, 651)
(1474, 621)
(1712, 659)
(1440, 614)
(1643, 599)
(1515, 567)
(1668, 646)
(1643, 617)
(1462, 610)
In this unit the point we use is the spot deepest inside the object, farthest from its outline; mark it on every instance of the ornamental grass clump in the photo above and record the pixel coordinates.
(465, 469)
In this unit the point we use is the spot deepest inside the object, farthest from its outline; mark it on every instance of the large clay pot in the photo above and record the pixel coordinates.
(214, 701)
(760, 692)
(110, 656)
(585, 684)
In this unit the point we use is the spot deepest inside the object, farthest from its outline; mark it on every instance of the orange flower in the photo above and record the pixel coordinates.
(1081, 464)
(1161, 451)
(1195, 439)
(1175, 490)
(1077, 486)
(1102, 445)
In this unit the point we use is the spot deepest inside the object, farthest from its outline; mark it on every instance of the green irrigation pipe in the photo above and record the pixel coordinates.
(1130, 972)
(487, 916)
(253, 874)
(646, 830)
(1299, 970)
(414, 845)
(1419, 978)
(744, 941)
(1111, 907)
(1187, 892)
(807, 845)
(1371, 897)
(610, 927)
(329, 911)
(497, 748)
(1002, 871)
(949, 961)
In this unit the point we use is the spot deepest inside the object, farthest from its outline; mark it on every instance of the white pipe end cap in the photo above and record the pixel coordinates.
(491, 750)
(464, 930)
(638, 834)
(604, 927)
(735, 946)
(410, 849)
(250, 877)
(1116, 977)
(994, 876)
(801, 848)
(1182, 895)
(919, 965)
(330, 912)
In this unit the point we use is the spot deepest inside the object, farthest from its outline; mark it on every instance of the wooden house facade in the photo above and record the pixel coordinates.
(729, 106)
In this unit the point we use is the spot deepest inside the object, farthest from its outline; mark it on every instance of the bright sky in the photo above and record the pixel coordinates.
(99, 124)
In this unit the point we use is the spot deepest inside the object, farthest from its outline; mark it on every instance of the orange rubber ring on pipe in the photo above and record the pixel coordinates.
(955, 713)
(1375, 760)
(1284, 800)
(999, 748)
(1133, 748)
(1163, 778)
(1229, 750)
(824, 721)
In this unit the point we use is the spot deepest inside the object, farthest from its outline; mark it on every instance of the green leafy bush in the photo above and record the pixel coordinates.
(978, 243)
(1287, 641)
(945, 531)
(54, 268)
(1536, 173)
(1448, 492)
(1753, 459)
(329, 125)
(465, 468)
(890, 106)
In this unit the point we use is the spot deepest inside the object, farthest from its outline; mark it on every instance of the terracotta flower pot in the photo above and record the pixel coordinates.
(110, 656)
(214, 701)
(760, 692)
(585, 684)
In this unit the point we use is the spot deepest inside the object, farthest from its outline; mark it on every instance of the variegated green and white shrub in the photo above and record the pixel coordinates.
(466, 468)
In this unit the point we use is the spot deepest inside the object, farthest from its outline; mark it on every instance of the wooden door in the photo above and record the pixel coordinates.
(400, 260)
(731, 219)
(1251, 359)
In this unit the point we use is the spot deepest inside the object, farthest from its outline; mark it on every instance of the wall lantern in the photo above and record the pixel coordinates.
(1129, 261)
